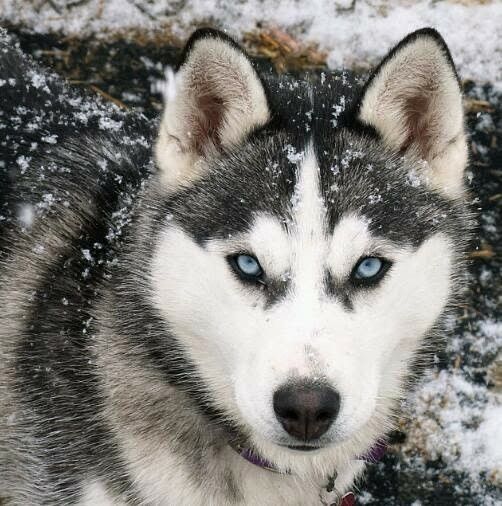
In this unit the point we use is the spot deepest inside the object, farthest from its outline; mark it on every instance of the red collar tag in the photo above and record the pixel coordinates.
(348, 500)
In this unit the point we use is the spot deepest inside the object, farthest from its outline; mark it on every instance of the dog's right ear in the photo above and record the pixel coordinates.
(414, 101)
(218, 100)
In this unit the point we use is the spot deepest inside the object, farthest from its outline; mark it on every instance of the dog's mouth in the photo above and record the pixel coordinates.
(243, 446)
(303, 448)
(255, 458)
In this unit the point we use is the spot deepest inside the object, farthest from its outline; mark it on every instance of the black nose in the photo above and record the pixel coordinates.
(306, 411)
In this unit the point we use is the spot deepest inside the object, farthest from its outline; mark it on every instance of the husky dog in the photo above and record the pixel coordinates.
(235, 322)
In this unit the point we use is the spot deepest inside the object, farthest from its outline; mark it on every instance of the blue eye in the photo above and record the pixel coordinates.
(369, 268)
(248, 266)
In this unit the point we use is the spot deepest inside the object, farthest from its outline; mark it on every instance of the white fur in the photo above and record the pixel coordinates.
(350, 230)
(95, 494)
(245, 352)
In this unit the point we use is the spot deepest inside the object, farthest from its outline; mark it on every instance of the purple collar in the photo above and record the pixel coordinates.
(255, 459)
(374, 454)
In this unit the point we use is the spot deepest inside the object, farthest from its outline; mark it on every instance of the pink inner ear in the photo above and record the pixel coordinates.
(207, 122)
(419, 123)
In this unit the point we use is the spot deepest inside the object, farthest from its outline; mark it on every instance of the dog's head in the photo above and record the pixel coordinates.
(312, 238)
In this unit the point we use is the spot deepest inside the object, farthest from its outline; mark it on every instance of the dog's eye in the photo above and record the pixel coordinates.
(368, 267)
(369, 270)
(247, 266)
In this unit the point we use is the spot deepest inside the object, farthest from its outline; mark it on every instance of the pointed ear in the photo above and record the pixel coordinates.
(218, 99)
(414, 101)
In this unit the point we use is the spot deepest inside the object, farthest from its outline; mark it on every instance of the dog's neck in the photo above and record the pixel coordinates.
(374, 454)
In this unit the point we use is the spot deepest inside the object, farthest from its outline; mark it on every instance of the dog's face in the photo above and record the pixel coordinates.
(308, 250)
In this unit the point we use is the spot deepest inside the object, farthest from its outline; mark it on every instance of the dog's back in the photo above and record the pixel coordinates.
(71, 168)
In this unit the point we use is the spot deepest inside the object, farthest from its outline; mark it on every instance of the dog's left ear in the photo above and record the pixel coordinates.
(217, 100)
(414, 101)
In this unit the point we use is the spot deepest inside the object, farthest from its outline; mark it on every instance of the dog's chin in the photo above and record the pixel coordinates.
(313, 460)
(299, 459)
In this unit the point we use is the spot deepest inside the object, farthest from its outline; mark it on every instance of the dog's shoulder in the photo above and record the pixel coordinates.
(62, 148)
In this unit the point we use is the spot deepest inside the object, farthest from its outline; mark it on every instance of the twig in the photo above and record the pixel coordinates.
(107, 96)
